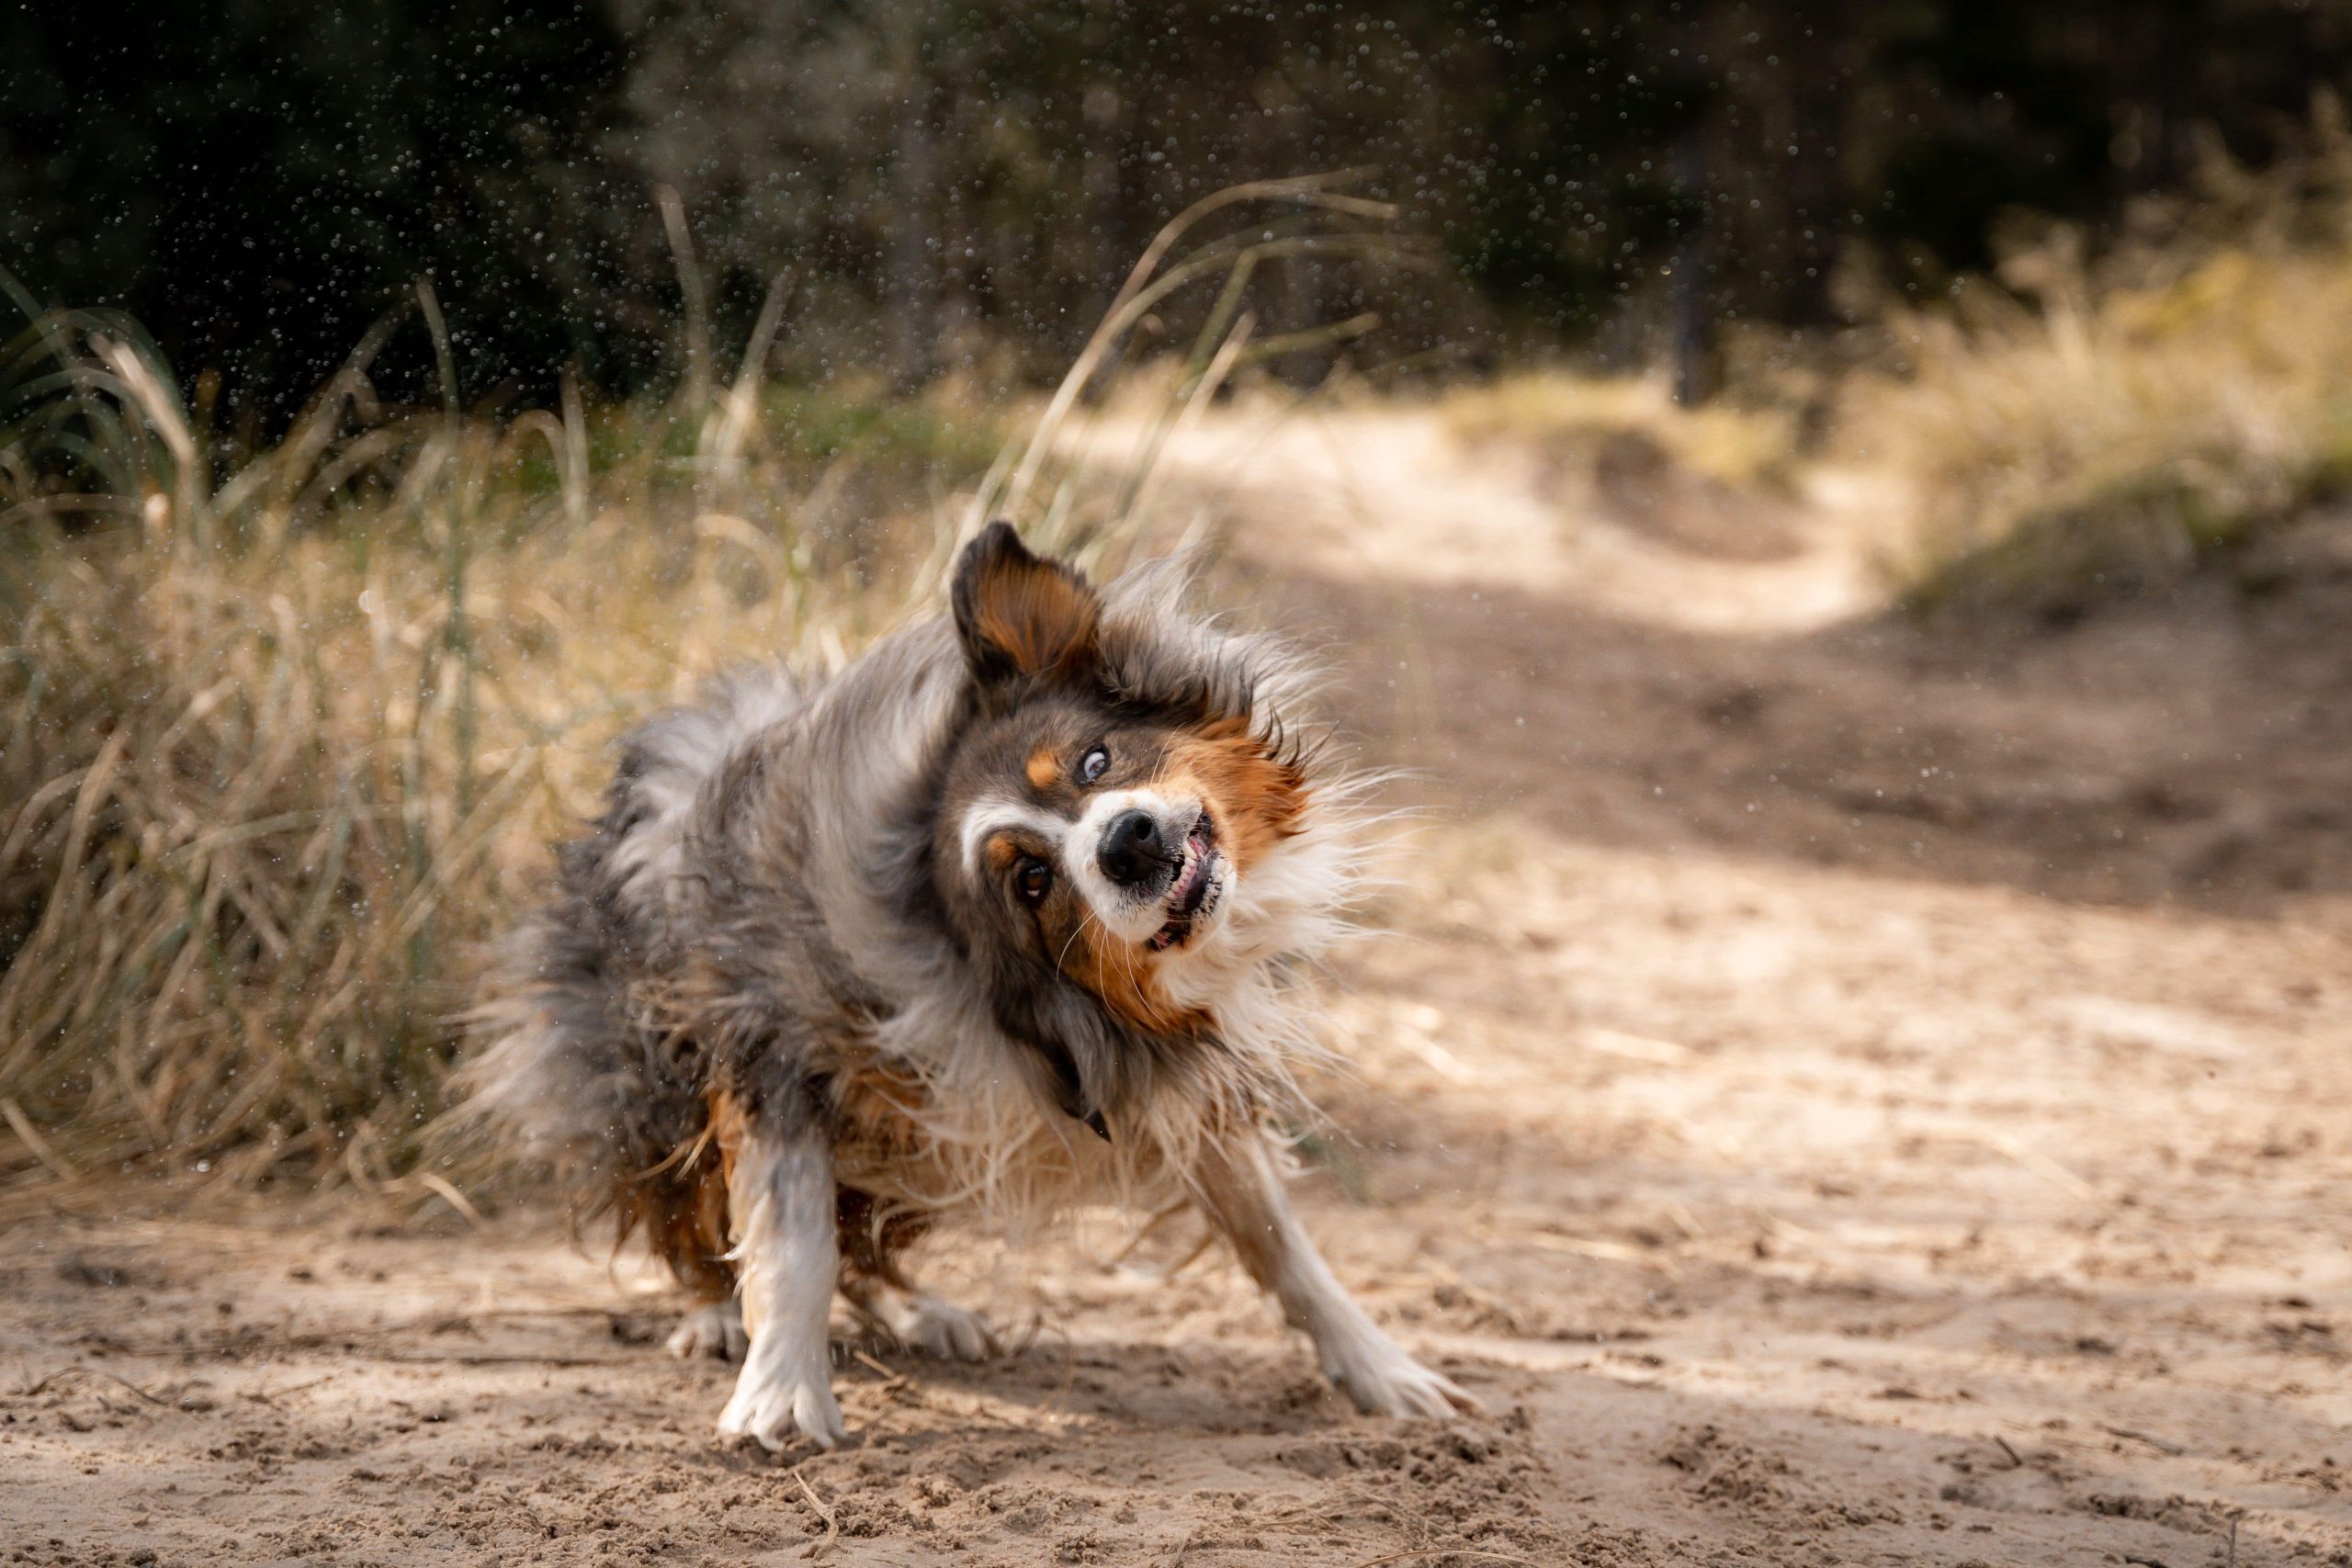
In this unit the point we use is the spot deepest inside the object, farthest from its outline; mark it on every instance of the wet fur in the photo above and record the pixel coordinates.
(758, 947)
(753, 916)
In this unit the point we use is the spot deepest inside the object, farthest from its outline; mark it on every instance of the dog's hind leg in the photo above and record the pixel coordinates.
(714, 1329)
(685, 1215)
(923, 1322)
(780, 1212)
(872, 1239)
(1239, 1187)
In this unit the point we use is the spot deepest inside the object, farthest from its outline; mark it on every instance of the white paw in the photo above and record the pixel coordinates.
(941, 1329)
(714, 1329)
(783, 1390)
(1383, 1381)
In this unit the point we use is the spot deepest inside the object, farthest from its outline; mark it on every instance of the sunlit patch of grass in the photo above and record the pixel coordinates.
(1572, 420)
(1719, 479)
(800, 426)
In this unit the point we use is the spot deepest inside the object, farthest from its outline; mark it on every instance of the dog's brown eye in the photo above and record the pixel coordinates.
(1035, 879)
(1093, 764)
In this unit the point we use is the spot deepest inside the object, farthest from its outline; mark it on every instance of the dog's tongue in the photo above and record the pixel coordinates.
(1191, 889)
(1186, 896)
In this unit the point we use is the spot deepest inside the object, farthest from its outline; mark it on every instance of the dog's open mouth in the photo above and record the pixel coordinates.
(1193, 897)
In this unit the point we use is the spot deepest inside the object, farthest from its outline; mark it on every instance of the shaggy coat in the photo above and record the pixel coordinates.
(1011, 912)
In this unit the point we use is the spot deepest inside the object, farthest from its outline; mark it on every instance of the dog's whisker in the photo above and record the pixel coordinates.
(1084, 920)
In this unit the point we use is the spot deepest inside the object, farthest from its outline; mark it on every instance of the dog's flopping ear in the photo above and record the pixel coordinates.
(1019, 614)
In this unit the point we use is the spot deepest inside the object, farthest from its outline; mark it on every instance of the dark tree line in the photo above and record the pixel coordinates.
(957, 181)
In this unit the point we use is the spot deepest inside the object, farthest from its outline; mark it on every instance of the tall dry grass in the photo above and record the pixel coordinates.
(280, 747)
(2086, 425)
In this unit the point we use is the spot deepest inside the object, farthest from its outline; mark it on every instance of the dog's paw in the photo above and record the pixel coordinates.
(1383, 1381)
(714, 1329)
(781, 1393)
(936, 1327)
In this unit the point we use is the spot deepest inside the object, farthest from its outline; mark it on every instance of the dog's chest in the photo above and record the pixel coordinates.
(987, 1149)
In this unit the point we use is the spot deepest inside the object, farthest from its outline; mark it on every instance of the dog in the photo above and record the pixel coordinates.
(1015, 911)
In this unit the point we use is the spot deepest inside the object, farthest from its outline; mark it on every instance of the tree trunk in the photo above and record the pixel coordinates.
(912, 281)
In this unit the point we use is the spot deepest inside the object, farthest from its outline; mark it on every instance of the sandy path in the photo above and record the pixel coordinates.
(1840, 1094)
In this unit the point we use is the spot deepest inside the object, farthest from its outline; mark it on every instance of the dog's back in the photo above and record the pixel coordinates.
(576, 1067)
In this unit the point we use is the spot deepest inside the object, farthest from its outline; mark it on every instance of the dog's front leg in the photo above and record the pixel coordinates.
(1240, 1189)
(780, 1213)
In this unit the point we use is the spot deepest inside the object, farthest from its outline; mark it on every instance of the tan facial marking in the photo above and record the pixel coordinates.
(1044, 770)
(1255, 800)
(1123, 976)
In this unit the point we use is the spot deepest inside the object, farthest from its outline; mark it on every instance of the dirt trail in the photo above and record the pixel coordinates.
(1839, 1092)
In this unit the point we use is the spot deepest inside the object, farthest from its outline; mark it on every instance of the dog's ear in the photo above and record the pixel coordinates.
(1019, 614)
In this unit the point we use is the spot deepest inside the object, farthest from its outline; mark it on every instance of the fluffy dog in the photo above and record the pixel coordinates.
(1009, 914)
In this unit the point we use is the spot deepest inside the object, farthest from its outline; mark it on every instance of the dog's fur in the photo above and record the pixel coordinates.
(1009, 913)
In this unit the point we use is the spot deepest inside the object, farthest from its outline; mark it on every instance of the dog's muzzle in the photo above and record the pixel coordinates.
(1176, 865)
(1135, 851)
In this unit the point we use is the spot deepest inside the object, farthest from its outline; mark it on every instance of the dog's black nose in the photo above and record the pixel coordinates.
(1131, 851)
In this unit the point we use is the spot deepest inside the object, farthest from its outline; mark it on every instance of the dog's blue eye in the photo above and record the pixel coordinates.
(1034, 879)
(1093, 765)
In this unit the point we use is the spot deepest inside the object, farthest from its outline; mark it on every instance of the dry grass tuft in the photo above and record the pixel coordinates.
(2081, 430)
(280, 748)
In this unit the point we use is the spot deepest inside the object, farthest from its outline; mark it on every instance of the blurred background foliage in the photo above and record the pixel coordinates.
(956, 186)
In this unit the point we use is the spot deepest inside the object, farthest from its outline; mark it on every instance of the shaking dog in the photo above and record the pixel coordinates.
(1013, 912)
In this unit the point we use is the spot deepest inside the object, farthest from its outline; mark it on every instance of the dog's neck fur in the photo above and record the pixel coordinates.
(880, 730)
